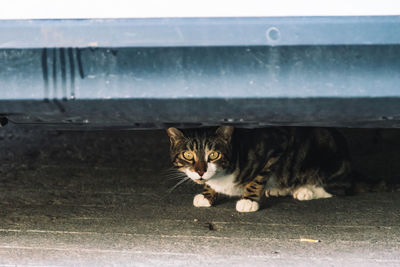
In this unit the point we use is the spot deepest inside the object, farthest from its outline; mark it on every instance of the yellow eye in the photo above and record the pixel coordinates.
(188, 155)
(214, 155)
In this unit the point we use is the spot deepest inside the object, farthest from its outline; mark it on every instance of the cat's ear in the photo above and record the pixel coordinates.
(174, 134)
(225, 132)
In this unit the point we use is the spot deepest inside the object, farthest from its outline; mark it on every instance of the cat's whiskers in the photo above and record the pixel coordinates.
(178, 177)
(172, 173)
(178, 184)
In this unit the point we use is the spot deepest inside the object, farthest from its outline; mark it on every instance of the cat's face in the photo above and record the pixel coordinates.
(201, 154)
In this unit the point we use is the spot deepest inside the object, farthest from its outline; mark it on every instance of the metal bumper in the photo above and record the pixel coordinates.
(251, 72)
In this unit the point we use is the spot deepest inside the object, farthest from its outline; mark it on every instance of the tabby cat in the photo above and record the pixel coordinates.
(251, 163)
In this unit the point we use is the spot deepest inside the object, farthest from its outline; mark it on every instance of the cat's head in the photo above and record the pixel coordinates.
(202, 154)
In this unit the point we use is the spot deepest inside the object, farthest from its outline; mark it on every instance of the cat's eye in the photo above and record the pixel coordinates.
(188, 155)
(214, 155)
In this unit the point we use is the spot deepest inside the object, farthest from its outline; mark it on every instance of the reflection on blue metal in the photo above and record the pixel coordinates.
(174, 32)
(229, 72)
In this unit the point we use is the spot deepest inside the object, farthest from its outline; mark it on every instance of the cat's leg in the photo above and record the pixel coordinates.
(309, 192)
(205, 199)
(251, 196)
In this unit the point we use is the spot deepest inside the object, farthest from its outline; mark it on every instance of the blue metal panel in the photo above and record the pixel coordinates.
(176, 32)
(213, 72)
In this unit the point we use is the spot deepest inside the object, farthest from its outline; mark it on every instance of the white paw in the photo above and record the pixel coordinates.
(320, 192)
(303, 193)
(247, 205)
(200, 201)
(276, 192)
(310, 192)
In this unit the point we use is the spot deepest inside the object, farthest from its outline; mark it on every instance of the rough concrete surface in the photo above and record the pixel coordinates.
(100, 199)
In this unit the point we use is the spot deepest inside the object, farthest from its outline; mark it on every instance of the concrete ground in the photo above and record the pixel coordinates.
(101, 199)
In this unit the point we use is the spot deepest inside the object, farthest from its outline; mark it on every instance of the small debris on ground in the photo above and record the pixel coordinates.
(211, 226)
(309, 240)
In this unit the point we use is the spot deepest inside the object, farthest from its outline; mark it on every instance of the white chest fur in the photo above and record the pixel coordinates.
(225, 184)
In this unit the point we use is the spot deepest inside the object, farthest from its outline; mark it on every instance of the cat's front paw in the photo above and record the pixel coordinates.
(247, 205)
(277, 192)
(201, 201)
(303, 193)
(310, 192)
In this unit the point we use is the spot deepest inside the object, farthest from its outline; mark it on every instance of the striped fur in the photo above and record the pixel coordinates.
(276, 161)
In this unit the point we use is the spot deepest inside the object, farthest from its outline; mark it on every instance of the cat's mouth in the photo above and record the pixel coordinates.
(200, 181)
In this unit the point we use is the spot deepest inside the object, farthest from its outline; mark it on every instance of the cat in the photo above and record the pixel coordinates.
(303, 162)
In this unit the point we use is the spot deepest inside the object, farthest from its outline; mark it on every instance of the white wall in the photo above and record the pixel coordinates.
(42, 9)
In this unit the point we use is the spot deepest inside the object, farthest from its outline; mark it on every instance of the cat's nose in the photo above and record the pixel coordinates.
(200, 172)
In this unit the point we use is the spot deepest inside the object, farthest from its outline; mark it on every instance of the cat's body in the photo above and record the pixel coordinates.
(276, 161)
